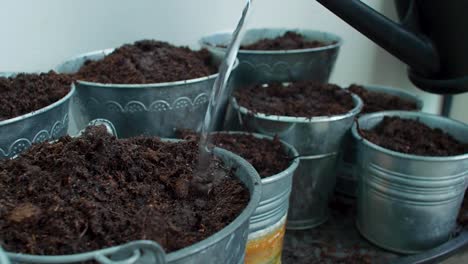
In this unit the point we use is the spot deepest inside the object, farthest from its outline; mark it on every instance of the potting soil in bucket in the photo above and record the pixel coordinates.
(145, 88)
(95, 191)
(412, 171)
(312, 117)
(275, 162)
(33, 108)
(375, 99)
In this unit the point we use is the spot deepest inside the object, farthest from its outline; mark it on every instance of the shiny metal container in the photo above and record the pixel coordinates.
(225, 246)
(318, 141)
(140, 109)
(346, 180)
(272, 210)
(258, 66)
(47, 123)
(408, 203)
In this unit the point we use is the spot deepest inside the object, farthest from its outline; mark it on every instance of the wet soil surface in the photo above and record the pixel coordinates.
(26, 93)
(335, 241)
(148, 61)
(288, 41)
(96, 191)
(413, 137)
(377, 101)
(299, 99)
(266, 156)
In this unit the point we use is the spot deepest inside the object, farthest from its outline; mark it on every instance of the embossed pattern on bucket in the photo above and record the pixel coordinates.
(140, 109)
(226, 246)
(318, 141)
(409, 203)
(284, 65)
(47, 123)
(346, 180)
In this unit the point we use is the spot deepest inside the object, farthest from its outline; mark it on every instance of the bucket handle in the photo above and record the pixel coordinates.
(146, 249)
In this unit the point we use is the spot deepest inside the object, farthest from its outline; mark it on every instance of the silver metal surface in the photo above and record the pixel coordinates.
(408, 203)
(276, 189)
(318, 141)
(140, 109)
(283, 65)
(346, 180)
(47, 123)
(3, 257)
(225, 246)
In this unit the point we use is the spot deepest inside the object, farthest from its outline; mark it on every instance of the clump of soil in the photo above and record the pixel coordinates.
(288, 41)
(413, 137)
(266, 156)
(300, 99)
(96, 191)
(377, 102)
(148, 61)
(25, 93)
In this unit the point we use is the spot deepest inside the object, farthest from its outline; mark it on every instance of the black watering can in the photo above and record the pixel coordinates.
(431, 38)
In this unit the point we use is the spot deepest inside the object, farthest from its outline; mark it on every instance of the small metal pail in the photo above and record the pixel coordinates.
(409, 203)
(346, 179)
(318, 141)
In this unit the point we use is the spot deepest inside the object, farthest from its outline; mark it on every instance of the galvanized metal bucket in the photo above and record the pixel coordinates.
(47, 123)
(318, 141)
(346, 180)
(408, 203)
(257, 66)
(140, 109)
(267, 224)
(225, 246)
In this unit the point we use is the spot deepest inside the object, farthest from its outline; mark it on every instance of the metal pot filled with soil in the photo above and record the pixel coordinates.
(412, 170)
(374, 99)
(137, 200)
(149, 87)
(275, 162)
(280, 55)
(33, 108)
(312, 117)
(3, 257)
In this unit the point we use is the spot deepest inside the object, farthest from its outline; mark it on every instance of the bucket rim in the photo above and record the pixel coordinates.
(358, 104)
(408, 115)
(204, 42)
(39, 111)
(294, 163)
(106, 52)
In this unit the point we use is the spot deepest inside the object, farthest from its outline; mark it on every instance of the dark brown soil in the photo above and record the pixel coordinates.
(376, 102)
(26, 93)
(300, 99)
(289, 41)
(97, 191)
(413, 137)
(463, 214)
(148, 61)
(266, 156)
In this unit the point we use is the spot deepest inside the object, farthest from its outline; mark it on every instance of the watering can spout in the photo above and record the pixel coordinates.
(414, 49)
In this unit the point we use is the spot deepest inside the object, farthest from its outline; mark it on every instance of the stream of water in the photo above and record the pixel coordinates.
(220, 92)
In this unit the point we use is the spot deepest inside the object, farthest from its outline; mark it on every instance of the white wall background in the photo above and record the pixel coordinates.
(37, 35)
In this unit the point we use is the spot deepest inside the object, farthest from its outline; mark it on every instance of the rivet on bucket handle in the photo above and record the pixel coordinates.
(140, 249)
